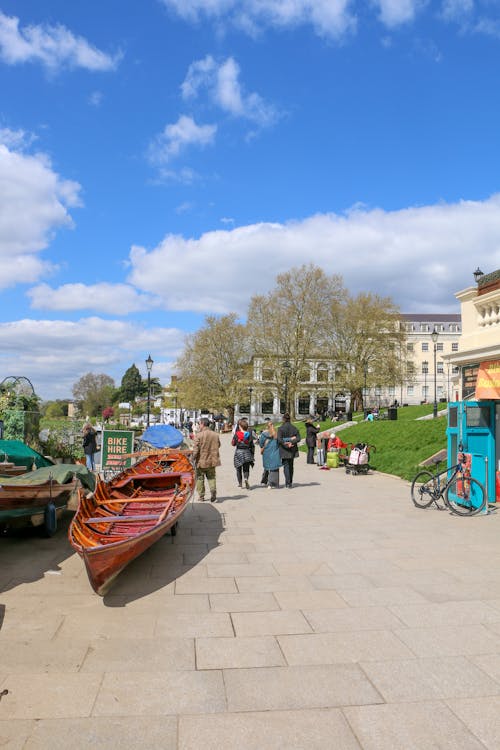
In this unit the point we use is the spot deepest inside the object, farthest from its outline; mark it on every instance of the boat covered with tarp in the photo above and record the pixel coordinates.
(36, 496)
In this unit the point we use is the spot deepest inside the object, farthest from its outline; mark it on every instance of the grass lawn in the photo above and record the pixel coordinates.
(401, 444)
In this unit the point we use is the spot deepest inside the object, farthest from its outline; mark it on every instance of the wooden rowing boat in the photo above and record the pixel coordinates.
(126, 515)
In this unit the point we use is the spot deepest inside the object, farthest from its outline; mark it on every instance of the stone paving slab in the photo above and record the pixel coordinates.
(293, 730)
(401, 726)
(278, 688)
(332, 615)
(105, 733)
(234, 653)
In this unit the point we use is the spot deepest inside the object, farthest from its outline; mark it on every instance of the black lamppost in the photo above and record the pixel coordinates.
(286, 368)
(425, 370)
(477, 274)
(149, 365)
(250, 391)
(434, 337)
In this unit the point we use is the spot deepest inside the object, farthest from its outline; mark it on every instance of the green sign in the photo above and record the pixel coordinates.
(117, 445)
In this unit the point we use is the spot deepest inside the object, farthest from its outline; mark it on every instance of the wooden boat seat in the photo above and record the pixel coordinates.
(118, 519)
(130, 478)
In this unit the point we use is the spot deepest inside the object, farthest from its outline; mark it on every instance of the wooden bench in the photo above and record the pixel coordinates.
(119, 519)
(144, 476)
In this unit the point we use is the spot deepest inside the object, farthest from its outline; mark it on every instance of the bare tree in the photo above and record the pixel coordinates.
(288, 325)
(214, 369)
(366, 342)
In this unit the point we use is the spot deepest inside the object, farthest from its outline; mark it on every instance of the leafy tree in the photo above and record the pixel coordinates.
(93, 393)
(366, 342)
(131, 385)
(289, 323)
(54, 409)
(214, 368)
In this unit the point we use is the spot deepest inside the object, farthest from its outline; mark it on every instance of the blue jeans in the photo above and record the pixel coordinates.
(89, 461)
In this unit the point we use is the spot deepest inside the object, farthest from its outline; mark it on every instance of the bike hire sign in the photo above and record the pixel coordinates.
(116, 444)
(488, 380)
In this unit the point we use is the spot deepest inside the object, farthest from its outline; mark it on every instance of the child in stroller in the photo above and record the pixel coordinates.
(359, 459)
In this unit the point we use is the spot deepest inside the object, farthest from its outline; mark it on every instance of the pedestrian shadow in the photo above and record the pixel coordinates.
(231, 497)
(198, 532)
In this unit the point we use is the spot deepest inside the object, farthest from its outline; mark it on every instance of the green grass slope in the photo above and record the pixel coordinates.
(402, 444)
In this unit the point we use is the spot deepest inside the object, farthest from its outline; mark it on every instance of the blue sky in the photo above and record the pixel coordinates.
(161, 160)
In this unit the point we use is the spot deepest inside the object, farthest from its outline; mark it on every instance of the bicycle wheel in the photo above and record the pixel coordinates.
(465, 496)
(424, 489)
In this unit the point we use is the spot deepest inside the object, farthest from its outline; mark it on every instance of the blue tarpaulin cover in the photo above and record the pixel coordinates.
(162, 436)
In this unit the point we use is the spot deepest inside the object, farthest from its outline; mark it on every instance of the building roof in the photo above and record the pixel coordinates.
(432, 317)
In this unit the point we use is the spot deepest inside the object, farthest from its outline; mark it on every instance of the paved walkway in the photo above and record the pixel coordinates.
(333, 615)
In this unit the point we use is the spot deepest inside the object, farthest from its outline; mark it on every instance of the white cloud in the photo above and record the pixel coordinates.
(34, 349)
(222, 82)
(456, 10)
(95, 98)
(330, 18)
(112, 299)
(53, 46)
(179, 136)
(397, 12)
(34, 203)
(415, 255)
(16, 139)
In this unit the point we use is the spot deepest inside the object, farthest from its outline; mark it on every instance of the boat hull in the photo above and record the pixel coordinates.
(127, 515)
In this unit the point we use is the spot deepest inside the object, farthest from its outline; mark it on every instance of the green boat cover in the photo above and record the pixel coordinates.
(60, 473)
(20, 454)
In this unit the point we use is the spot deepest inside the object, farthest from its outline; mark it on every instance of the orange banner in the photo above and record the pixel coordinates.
(488, 380)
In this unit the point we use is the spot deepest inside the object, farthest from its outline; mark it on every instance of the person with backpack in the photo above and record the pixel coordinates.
(244, 452)
(288, 440)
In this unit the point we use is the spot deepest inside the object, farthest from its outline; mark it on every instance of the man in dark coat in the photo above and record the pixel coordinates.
(288, 440)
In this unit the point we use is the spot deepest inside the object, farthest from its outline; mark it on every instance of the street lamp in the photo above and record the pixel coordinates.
(286, 368)
(477, 274)
(250, 391)
(434, 337)
(149, 365)
(425, 370)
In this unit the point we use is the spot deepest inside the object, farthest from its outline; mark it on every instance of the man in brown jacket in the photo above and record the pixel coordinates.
(206, 455)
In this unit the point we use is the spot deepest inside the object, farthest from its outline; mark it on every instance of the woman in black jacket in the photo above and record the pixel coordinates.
(89, 445)
(311, 433)
(288, 440)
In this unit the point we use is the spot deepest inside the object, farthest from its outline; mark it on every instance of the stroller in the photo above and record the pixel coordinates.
(359, 459)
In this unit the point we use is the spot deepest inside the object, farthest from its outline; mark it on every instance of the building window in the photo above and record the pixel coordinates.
(425, 346)
(267, 405)
(454, 346)
(440, 368)
(322, 373)
(424, 328)
(409, 347)
(391, 391)
(439, 346)
(425, 367)
(409, 390)
(303, 405)
(425, 391)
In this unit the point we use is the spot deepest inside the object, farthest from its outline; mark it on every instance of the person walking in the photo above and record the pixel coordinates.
(311, 437)
(89, 445)
(288, 439)
(206, 455)
(271, 459)
(244, 454)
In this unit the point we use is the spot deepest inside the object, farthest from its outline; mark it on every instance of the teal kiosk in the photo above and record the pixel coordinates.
(473, 427)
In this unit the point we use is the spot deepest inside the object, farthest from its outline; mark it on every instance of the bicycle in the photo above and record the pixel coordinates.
(462, 494)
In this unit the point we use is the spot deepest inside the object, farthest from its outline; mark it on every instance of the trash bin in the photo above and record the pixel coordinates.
(349, 416)
(392, 412)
